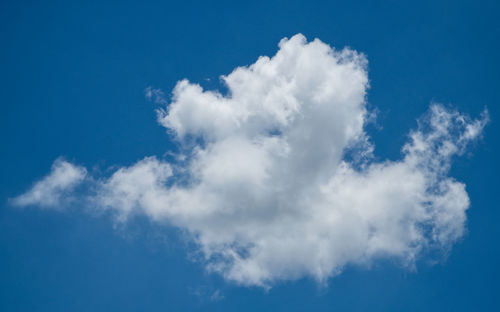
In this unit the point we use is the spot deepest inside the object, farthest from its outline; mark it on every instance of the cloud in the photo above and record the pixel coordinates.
(275, 179)
(55, 188)
(155, 95)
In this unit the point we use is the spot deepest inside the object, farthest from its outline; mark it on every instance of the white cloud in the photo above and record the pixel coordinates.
(54, 188)
(264, 185)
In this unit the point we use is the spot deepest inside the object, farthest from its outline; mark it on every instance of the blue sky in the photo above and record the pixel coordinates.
(72, 85)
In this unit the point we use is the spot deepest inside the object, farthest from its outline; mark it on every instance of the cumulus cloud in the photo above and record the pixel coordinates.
(54, 189)
(275, 179)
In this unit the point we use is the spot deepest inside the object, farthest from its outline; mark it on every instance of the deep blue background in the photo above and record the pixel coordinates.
(72, 80)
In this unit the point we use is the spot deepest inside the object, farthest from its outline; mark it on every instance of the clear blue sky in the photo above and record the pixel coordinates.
(72, 81)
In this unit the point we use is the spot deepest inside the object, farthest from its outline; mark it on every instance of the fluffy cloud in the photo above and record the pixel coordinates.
(55, 188)
(275, 179)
